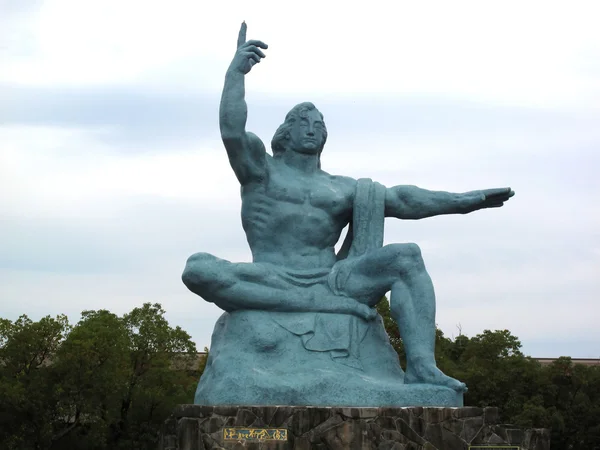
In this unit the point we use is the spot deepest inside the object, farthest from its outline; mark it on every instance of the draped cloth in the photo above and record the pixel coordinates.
(341, 334)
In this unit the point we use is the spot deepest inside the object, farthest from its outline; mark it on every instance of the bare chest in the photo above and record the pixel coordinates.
(320, 192)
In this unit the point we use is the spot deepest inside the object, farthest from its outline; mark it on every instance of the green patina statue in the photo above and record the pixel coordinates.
(300, 326)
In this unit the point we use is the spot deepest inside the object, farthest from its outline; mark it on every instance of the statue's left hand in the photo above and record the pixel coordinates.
(494, 198)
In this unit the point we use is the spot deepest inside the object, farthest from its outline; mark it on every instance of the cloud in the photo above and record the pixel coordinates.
(397, 123)
(508, 53)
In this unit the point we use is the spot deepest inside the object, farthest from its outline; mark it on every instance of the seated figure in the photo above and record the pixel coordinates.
(299, 326)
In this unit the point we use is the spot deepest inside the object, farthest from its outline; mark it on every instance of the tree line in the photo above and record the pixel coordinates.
(109, 382)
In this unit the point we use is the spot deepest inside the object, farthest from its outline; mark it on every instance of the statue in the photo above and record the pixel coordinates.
(299, 326)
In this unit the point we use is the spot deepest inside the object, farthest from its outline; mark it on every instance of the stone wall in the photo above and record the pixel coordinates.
(197, 427)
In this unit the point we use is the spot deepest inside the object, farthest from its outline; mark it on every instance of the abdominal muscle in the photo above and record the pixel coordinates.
(293, 235)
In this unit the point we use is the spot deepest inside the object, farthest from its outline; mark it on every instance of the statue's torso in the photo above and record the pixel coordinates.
(295, 219)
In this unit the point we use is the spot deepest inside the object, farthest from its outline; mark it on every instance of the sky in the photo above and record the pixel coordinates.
(112, 171)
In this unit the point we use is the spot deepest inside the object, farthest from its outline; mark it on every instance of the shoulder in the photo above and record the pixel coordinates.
(341, 180)
(347, 185)
(347, 182)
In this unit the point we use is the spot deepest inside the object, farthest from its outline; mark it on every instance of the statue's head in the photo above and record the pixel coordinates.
(302, 131)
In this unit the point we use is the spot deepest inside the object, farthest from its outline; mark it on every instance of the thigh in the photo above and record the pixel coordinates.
(209, 270)
(373, 274)
(234, 286)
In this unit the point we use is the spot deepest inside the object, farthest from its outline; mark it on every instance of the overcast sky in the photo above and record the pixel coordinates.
(112, 171)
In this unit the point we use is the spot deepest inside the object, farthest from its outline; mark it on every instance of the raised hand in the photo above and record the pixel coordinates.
(248, 53)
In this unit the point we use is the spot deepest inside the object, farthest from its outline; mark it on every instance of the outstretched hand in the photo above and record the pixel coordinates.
(494, 198)
(248, 53)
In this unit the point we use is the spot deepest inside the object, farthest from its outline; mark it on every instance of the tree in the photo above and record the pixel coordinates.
(572, 400)
(497, 373)
(109, 382)
(27, 391)
(93, 365)
(153, 388)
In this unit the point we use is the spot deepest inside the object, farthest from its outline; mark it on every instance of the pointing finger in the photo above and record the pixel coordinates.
(242, 35)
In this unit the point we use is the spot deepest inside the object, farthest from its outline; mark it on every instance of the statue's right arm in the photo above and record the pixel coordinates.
(246, 151)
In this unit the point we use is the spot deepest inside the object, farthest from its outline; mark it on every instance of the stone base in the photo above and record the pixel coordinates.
(269, 358)
(197, 427)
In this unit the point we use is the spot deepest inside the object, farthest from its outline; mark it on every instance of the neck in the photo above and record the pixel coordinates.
(301, 161)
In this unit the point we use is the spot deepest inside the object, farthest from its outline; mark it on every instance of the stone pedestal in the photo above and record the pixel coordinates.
(197, 427)
(272, 358)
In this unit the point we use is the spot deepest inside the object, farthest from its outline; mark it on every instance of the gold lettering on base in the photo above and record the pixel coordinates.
(255, 434)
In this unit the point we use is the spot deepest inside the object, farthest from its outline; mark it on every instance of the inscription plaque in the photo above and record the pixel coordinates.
(255, 434)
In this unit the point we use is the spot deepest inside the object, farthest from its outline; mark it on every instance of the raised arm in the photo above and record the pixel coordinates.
(245, 150)
(411, 202)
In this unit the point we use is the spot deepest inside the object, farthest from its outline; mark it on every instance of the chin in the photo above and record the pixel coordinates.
(309, 150)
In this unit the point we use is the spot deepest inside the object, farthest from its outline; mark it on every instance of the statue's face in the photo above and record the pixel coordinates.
(307, 133)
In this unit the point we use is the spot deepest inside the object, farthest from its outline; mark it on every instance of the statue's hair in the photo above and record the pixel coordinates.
(281, 135)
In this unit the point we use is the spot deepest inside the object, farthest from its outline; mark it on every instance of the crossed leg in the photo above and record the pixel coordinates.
(399, 268)
(233, 286)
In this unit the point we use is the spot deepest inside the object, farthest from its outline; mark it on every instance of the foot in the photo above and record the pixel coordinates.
(428, 373)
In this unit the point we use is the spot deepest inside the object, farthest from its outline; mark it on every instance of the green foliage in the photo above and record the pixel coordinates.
(107, 382)
(27, 395)
(497, 373)
(572, 395)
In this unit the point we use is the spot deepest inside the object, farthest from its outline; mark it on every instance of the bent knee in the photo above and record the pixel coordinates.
(406, 257)
(201, 258)
(408, 250)
(195, 265)
(202, 273)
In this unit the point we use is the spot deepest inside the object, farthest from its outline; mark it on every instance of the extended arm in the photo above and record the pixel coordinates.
(411, 202)
(245, 150)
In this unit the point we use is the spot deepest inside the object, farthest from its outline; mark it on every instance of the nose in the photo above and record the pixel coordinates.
(310, 130)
